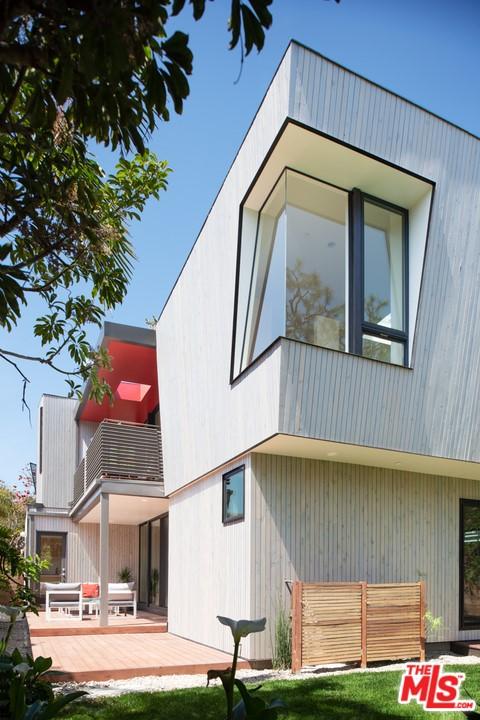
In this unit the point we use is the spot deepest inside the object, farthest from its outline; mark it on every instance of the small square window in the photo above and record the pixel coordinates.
(233, 503)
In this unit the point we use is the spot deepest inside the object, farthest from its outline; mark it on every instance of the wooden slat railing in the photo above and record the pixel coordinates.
(79, 482)
(357, 622)
(121, 450)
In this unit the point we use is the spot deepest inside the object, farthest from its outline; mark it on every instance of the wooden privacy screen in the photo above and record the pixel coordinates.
(356, 622)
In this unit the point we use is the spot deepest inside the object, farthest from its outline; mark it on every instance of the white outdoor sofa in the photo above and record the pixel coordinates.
(67, 597)
(63, 598)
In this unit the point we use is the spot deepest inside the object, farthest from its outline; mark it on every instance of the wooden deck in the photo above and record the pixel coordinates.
(145, 622)
(120, 656)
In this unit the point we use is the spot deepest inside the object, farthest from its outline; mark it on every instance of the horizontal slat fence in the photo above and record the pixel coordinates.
(356, 622)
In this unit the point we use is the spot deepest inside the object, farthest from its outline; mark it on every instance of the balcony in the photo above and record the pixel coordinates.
(120, 451)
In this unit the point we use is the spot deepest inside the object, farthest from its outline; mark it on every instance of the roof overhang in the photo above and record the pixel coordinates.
(314, 449)
(131, 502)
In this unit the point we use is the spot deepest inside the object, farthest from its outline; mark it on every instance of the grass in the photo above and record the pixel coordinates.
(370, 696)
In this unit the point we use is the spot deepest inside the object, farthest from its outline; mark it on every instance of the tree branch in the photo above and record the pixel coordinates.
(11, 100)
(23, 56)
(25, 380)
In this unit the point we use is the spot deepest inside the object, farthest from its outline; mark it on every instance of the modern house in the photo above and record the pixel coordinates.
(100, 504)
(317, 377)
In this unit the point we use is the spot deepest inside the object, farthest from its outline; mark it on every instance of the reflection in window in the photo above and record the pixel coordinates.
(470, 570)
(299, 276)
(383, 267)
(233, 502)
(378, 348)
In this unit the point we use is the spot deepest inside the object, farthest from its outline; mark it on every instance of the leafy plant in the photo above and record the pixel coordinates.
(250, 707)
(282, 641)
(25, 694)
(17, 571)
(125, 575)
(433, 624)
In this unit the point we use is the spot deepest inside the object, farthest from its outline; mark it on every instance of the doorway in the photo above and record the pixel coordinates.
(53, 547)
(153, 570)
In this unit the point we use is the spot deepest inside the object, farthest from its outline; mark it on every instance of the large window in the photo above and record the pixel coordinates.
(329, 268)
(469, 564)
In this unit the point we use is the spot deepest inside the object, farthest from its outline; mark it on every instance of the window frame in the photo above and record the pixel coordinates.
(462, 625)
(225, 477)
(357, 326)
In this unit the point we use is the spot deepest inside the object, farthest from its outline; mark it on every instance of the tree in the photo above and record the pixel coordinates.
(73, 71)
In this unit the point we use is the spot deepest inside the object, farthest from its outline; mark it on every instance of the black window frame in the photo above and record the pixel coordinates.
(225, 477)
(357, 325)
(462, 624)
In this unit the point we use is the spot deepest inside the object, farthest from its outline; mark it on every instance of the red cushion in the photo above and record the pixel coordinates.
(90, 590)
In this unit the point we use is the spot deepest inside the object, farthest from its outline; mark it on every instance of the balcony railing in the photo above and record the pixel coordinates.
(120, 450)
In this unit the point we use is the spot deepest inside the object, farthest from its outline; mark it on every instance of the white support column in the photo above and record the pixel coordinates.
(104, 559)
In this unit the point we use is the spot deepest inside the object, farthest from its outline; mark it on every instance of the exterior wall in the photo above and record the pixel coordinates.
(326, 521)
(432, 409)
(83, 547)
(205, 421)
(86, 431)
(315, 392)
(209, 563)
(59, 451)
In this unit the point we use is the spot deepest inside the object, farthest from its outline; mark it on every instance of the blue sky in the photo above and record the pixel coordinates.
(425, 50)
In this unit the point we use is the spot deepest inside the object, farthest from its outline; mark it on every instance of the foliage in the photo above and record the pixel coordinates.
(72, 72)
(307, 299)
(282, 641)
(125, 575)
(250, 706)
(351, 696)
(433, 624)
(25, 694)
(17, 571)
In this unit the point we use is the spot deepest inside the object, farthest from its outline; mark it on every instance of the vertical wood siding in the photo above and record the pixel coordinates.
(59, 451)
(209, 563)
(321, 521)
(434, 408)
(205, 420)
(83, 547)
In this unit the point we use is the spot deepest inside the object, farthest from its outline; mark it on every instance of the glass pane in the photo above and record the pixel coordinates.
(52, 549)
(155, 562)
(266, 313)
(316, 262)
(143, 582)
(233, 495)
(471, 564)
(383, 349)
(384, 271)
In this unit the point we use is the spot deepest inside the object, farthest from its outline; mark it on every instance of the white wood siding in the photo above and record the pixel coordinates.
(205, 422)
(59, 451)
(83, 547)
(314, 392)
(325, 521)
(434, 408)
(209, 563)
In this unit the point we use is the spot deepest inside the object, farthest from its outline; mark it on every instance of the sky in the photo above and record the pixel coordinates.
(425, 50)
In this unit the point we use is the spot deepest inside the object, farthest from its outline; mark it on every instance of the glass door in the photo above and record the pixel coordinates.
(52, 547)
(153, 569)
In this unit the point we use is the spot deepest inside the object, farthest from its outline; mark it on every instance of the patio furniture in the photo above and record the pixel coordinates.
(90, 597)
(63, 597)
(122, 596)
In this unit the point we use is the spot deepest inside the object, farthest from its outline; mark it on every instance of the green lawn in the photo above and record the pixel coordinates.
(372, 696)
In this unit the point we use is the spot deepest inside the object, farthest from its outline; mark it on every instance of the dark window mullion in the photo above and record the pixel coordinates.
(356, 260)
(385, 332)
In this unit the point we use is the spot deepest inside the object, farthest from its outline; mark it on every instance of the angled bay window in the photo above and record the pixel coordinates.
(328, 267)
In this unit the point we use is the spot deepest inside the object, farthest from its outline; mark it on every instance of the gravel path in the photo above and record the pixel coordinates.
(152, 683)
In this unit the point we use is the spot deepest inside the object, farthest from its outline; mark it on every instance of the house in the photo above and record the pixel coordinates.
(317, 367)
(101, 504)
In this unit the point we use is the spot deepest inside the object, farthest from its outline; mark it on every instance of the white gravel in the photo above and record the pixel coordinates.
(154, 683)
